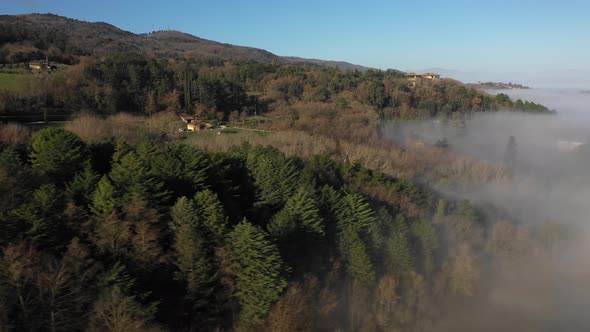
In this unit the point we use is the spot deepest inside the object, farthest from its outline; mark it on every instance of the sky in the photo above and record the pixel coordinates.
(533, 39)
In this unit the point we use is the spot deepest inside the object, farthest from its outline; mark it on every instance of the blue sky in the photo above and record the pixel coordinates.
(477, 36)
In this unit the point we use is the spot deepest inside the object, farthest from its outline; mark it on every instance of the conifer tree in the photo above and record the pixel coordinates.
(355, 213)
(274, 176)
(211, 215)
(104, 198)
(56, 153)
(41, 217)
(122, 148)
(301, 212)
(184, 212)
(398, 248)
(81, 188)
(131, 176)
(426, 237)
(358, 259)
(258, 271)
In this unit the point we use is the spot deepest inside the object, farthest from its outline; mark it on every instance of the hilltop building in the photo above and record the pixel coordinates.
(415, 78)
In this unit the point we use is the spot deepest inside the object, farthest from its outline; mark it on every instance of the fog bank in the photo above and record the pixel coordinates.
(549, 156)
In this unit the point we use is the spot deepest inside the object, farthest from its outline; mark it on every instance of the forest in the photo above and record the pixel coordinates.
(116, 221)
(159, 236)
(138, 84)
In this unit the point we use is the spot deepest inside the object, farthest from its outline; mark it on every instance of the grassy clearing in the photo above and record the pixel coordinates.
(211, 140)
(8, 81)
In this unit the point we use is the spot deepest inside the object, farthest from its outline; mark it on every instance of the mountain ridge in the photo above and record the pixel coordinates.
(76, 37)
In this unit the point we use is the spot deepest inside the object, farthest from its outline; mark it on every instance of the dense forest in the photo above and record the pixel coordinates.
(135, 83)
(156, 236)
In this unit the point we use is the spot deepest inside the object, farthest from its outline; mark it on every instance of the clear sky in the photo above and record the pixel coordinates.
(467, 35)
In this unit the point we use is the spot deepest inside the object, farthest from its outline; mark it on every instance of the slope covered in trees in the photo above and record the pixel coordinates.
(170, 237)
(30, 37)
(113, 70)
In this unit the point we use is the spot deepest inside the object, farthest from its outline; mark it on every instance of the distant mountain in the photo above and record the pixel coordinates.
(41, 32)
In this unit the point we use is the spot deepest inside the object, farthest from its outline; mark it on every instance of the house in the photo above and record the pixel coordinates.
(415, 78)
(195, 126)
(187, 118)
(198, 125)
(41, 65)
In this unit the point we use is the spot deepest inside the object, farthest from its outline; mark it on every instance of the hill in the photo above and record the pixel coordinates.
(27, 37)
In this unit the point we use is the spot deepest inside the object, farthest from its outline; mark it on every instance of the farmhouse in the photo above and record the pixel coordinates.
(195, 126)
(40, 65)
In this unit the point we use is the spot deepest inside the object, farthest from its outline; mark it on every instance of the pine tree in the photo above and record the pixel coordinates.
(426, 237)
(184, 212)
(56, 153)
(211, 215)
(196, 268)
(358, 259)
(300, 212)
(355, 213)
(398, 248)
(258, 271)
(131, 176)
(104, 198)
(41, 218)
(122, 148)
(80, 189)
(194, 259)
(274, 176)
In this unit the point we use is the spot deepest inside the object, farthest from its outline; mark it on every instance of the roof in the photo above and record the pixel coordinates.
(187, 117)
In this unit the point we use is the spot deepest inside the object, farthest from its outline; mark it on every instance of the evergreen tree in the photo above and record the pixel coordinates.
(42, 216)
(56, 153)
(258, 271)
(104, 198)
(196, 268)
(81, 188)
(274, 176)
(398, 248)
(184, 212)
(131, 176)
(183, 169)
(355, 212)
(211, 215)
(427, 240)
(357, 257)
(122, 148)
(301, 212)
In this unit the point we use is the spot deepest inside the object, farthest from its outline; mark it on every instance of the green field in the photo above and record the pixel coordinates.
(8, 81)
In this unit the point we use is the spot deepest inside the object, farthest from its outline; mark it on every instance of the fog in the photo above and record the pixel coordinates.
(551, 183)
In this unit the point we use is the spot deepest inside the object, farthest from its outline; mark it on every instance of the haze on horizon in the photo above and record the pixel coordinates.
(537, 42)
